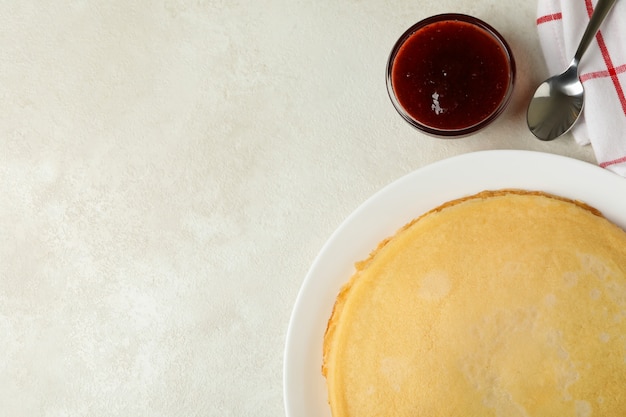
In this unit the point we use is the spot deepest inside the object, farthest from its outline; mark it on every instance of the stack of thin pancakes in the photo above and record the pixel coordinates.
(506, 303)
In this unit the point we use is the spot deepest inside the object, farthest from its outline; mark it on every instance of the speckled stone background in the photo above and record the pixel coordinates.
(170, 169)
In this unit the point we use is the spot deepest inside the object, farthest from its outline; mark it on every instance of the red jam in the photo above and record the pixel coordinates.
(451, 75)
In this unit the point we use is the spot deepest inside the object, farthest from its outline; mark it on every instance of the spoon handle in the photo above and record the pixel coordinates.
(602, 9)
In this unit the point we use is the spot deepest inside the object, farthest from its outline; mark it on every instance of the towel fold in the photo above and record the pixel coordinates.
(560, 25)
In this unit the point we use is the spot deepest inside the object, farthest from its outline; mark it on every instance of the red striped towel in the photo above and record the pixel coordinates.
(560, 24)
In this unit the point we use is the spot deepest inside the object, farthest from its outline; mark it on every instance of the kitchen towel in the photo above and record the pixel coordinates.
(560, 25)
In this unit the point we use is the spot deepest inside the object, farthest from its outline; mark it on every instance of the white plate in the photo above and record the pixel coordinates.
(395, 205)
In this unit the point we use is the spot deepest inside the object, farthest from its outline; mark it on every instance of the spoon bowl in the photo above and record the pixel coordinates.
(558, 102)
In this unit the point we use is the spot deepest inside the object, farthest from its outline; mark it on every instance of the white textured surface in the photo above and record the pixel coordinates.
(169, 170)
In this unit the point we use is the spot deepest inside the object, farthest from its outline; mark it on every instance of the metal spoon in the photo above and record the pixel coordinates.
(558, 101)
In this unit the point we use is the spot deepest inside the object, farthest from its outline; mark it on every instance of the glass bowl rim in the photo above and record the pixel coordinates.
(467, 130)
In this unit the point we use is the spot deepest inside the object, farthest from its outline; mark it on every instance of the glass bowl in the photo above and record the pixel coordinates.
(450, 75)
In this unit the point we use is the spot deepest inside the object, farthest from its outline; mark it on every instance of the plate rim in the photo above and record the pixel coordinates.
(491, 161)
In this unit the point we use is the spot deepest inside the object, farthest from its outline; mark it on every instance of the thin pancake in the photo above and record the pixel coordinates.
(506, 303)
